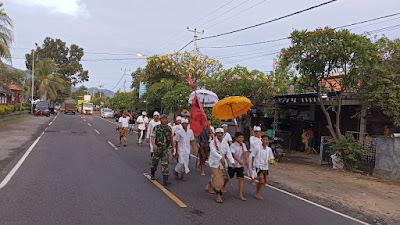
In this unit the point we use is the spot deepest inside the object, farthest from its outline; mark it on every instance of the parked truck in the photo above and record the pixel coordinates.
(70, 108)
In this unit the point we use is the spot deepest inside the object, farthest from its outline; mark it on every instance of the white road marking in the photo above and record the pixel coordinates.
(305, 200)
(5, 181)
(97, 131)
(89, 124)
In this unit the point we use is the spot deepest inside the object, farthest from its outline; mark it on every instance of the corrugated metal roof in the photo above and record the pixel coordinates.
(4, 91)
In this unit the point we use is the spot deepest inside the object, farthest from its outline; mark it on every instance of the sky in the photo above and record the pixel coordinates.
(113, 32)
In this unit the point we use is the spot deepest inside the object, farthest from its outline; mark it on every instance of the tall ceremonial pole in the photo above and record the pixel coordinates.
(204, 117)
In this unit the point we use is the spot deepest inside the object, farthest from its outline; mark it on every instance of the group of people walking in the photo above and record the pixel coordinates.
(226, 157)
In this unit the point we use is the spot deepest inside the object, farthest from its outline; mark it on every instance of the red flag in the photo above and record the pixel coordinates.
(197, 116)
(191, 82)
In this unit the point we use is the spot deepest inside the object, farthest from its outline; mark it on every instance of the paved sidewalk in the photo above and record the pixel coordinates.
(17, 137)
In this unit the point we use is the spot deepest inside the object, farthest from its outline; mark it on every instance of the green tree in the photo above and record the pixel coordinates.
(179, 66)
(156, 92)
(66, 58)
(239, 81)
(122, 101)
(97, 100)
(318, 54)
(6, 34)
(79, 93)
(48, 81)
(16, 76)
(197, 66)
(137, 77)
(380, 82)
(159, 68)
(176, 98)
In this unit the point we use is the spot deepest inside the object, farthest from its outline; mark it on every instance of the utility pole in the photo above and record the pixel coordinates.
(100, 87)
(125, 70)
(195, 37)
(33, 77)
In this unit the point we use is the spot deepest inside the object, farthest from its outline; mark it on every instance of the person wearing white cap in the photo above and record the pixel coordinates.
(255, 142)
(178, 125)
(184, 139)
(227, 136)
(143, 122)
(219, 150)
(156, 121)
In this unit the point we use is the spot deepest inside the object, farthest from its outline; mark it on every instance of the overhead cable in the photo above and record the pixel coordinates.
(270, 21)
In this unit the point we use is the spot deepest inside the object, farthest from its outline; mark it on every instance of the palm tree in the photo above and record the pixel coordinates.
(6, 34)
(47, 79)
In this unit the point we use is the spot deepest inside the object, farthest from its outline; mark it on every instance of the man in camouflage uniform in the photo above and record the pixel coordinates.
(162, 139)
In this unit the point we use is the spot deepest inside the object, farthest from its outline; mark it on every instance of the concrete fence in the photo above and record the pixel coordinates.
(387, 162)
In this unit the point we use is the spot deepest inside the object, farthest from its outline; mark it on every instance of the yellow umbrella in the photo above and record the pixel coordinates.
(231, 107)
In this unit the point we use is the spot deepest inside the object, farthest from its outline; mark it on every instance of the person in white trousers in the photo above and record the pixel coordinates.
(156, 121)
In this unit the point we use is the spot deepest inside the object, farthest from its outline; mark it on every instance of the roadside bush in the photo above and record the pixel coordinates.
(2, 110)
(11, 108)
(348, 150)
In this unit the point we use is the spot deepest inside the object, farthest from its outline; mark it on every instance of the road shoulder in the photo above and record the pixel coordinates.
(17, 137)
(360, 196)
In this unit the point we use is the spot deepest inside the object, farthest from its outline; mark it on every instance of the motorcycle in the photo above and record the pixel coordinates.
(41, 112)
(278, 149)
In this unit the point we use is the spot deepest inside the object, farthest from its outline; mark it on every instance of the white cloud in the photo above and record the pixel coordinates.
(69, 7)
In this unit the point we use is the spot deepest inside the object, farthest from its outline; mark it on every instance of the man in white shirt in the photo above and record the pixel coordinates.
(219, 150)
(239, 153)
(150, 128)
(143, 121)
(262, 155)
(255, 142)
(184, 139)
(227, 136)
(123, 121)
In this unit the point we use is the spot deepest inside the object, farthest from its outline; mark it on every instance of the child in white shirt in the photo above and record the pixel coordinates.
(260, 162)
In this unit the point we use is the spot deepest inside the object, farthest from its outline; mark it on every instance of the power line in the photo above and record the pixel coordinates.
(389, 28)
(248, 44)
(270, 21)
(111, 59)
(118, 82)
(242, 3)
(236, 14)
(212, 12)
(366, 21)
(375, 23)
(271, 53)
(185, 46)
(181, 36)
(286, 38)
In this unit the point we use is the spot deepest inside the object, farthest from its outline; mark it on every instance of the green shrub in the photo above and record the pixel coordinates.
(348, 150)
(11, 108)
(2, 110)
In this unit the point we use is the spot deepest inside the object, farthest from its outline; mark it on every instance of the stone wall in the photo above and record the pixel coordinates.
(387, 161)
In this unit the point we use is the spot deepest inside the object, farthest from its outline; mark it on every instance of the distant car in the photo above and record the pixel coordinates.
(62, 108)
(106, 113)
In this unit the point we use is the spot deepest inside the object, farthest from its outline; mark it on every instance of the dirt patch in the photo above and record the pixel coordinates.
(362, 196)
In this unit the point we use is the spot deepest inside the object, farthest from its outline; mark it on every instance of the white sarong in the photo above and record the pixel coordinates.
(183, 164)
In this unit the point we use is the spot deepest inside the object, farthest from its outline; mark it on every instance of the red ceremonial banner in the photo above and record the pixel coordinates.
(197, 116)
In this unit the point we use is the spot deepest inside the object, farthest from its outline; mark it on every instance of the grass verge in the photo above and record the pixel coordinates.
(15, 119)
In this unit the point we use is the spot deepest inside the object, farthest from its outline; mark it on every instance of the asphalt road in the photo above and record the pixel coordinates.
(73, 176)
